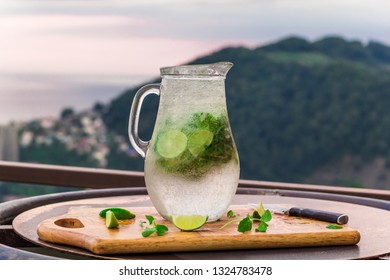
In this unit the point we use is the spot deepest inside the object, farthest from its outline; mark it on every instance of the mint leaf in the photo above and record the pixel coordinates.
(147, 232)
(267, 216)
(150, 219)
(262, 227)
(154, 228)
(231, 214)
(261, 209)
(161, 229)
(334, 226)
(245, 224)
(256, 215)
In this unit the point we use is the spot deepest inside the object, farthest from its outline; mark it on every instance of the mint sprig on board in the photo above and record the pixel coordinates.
(259, 215)
(154, 227)
(265, 218)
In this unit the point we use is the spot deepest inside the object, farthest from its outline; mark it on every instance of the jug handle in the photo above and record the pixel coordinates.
(140, 145)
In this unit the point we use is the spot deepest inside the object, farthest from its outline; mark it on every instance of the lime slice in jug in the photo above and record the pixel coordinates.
(199, 140)
(189, 223)
(111, 220)
(171, 143)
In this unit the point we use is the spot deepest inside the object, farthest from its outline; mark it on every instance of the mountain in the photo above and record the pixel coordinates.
(297, 107)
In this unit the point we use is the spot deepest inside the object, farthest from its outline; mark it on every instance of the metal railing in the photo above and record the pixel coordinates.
(95, 178)
(92, 181)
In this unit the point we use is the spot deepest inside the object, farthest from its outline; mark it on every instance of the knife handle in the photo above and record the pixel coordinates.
(319, 215)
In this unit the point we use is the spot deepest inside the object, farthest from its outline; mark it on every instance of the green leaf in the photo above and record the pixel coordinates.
(267, 216)
(161, 229)
(334, 226)
(147, 232)
(150, 219)
(256, 215)
(258, 211)
(231, 214)
(261, 209)
(262, 227)
(245, 224)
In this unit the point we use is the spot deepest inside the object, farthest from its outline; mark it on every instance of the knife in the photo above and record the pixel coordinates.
(326, 216)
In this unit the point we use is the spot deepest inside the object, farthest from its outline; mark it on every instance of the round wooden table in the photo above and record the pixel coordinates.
(372, 223)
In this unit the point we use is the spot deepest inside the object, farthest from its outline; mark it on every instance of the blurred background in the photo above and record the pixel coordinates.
(308, 95)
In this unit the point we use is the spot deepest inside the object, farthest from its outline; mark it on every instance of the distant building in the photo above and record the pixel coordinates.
(9, 144)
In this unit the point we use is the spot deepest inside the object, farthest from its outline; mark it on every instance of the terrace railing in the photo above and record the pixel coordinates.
(96, 180)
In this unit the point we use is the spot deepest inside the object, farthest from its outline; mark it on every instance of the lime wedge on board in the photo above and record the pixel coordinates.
(111, 220)
(189, 223)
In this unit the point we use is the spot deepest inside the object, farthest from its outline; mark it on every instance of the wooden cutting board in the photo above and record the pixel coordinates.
(83, 227)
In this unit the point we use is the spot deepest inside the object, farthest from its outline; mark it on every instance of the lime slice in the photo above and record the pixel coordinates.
(111, 220)
(120, 213)
(171, 143)
(199, 140)
(189, 223)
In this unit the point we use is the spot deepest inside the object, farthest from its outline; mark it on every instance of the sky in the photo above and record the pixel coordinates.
(67, 53)
(113, 37)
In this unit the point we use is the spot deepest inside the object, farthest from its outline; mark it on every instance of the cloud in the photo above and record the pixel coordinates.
(52, 44)
(128, 36)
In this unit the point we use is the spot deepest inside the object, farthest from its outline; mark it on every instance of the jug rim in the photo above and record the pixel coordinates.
(211, 69)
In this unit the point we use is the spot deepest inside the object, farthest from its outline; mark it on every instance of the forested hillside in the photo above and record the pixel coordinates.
(294, 106)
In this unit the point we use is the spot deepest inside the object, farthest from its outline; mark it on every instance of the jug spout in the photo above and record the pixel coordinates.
(221, 68)
(213, 69)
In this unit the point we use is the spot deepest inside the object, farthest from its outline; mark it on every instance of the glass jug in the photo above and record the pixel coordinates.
(191, 162)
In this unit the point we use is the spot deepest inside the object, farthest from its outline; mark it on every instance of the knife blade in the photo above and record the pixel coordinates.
(315, 214)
